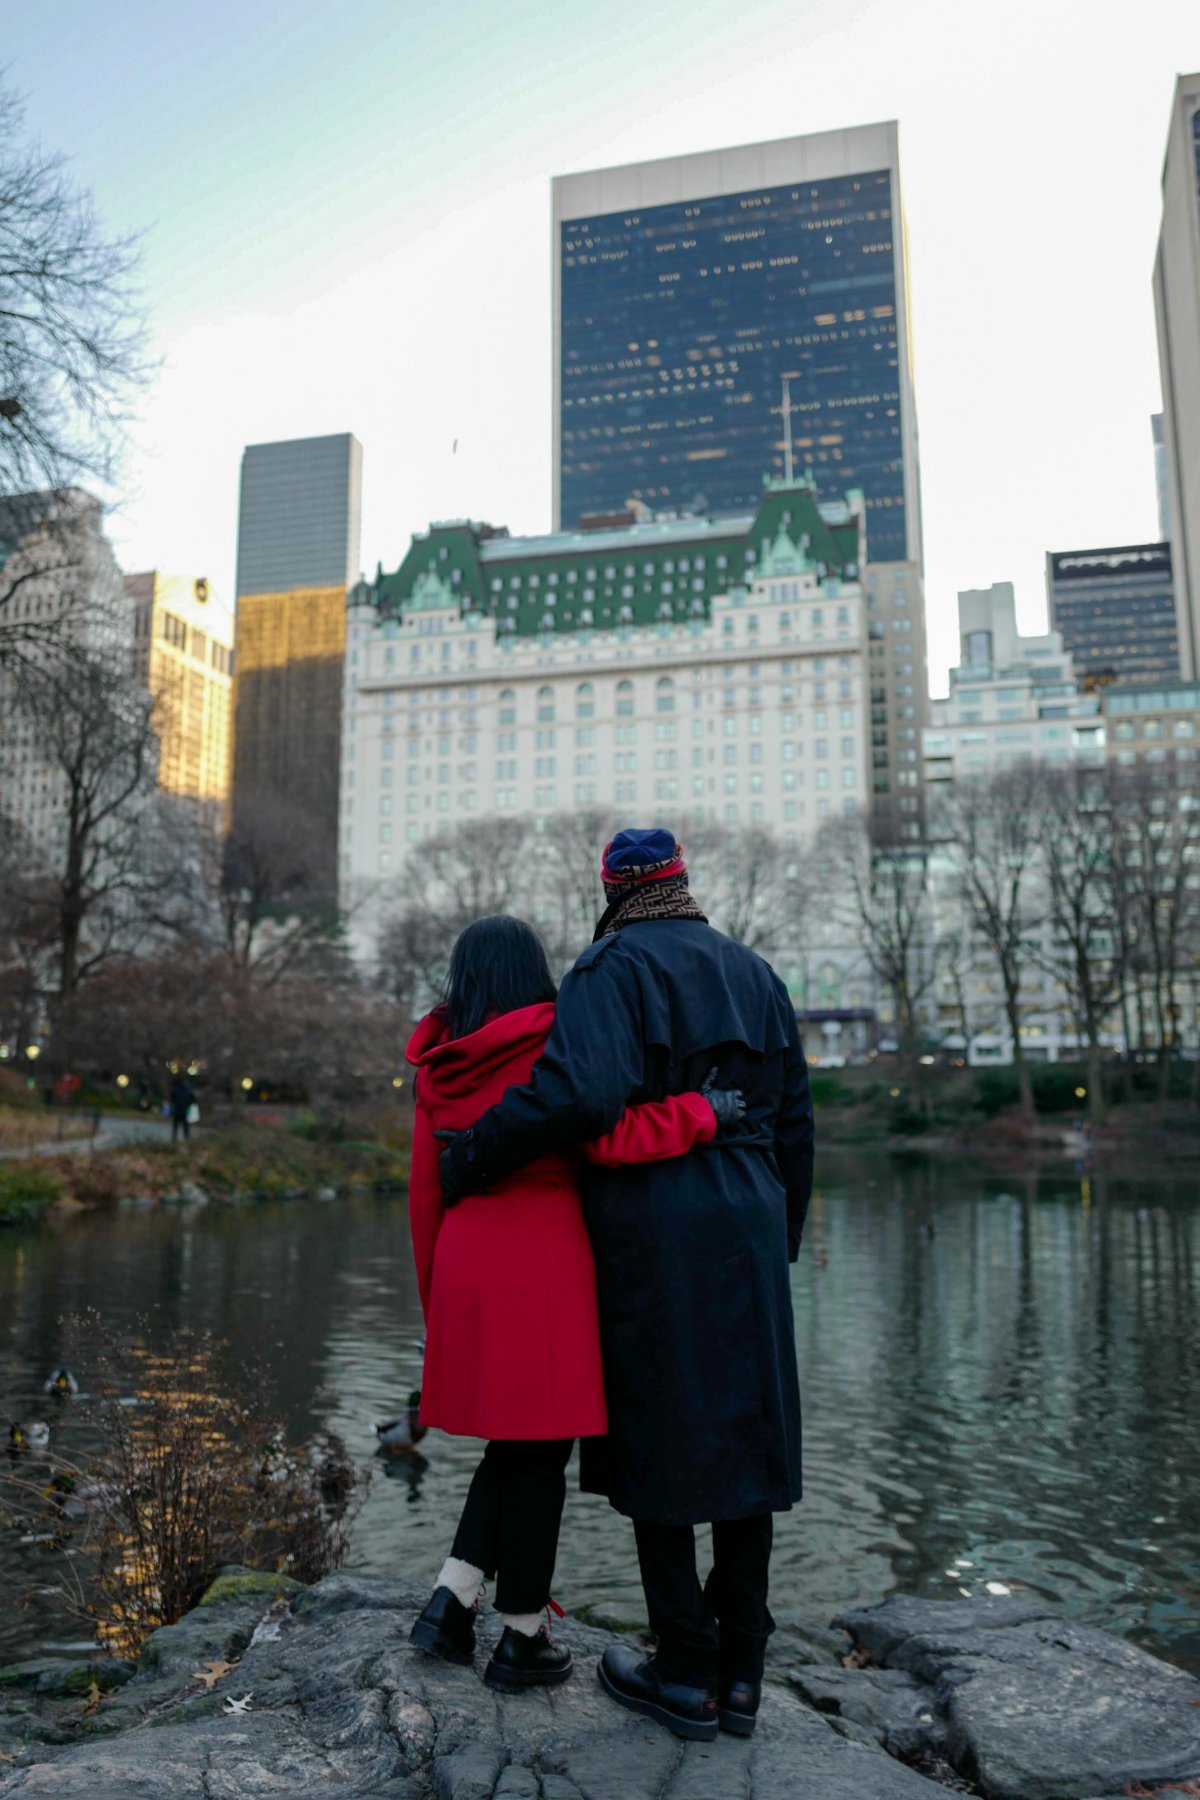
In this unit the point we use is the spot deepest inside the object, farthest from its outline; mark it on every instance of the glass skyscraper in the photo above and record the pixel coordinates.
(686, 291)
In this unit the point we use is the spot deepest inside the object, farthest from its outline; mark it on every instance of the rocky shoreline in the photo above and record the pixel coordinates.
(268, 1688)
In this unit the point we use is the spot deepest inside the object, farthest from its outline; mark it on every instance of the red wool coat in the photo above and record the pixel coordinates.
(507, 1282)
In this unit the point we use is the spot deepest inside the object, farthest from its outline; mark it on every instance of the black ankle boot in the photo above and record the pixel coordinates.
(446, 1628)
(737, 1706)
(686, 1708)
(521, 1662)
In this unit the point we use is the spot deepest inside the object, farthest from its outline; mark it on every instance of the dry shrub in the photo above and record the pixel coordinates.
(192, 1472)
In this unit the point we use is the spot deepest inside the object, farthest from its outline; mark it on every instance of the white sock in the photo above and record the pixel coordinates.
(463, 1579)
(528, 1624)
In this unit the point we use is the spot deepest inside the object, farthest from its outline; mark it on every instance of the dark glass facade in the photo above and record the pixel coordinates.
(1116, 611)
(678, 324)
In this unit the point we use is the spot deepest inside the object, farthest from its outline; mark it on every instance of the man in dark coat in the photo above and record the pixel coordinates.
(691, 1267)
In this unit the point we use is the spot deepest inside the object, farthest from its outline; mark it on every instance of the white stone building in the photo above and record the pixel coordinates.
(1012, 698)
(693, 671)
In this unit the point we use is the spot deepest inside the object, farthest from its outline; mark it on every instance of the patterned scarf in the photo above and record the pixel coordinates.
(668, 899)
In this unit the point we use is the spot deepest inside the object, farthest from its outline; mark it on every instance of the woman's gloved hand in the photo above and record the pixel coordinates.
(455, 1165)
(728, 1104)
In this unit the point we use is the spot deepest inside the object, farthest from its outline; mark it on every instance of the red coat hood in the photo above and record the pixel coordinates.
(452, 1067)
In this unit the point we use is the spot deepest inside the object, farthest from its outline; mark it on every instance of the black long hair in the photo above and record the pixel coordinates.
(497, 965)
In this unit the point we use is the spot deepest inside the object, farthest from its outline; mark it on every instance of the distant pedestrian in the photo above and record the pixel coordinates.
(183, 1099)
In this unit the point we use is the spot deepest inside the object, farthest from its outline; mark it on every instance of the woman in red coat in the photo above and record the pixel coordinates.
(507, 1283)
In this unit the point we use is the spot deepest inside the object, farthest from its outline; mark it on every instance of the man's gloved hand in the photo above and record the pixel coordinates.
(728, 1104)
(456, 1165)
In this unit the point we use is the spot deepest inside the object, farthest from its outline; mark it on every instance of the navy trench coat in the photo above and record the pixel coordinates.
(691, 1254)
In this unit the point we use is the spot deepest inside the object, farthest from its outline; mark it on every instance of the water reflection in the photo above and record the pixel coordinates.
(998, 1376)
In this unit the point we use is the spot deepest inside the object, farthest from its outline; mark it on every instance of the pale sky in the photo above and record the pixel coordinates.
(347, 210)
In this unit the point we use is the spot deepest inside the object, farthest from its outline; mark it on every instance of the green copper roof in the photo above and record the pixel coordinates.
(665, 571)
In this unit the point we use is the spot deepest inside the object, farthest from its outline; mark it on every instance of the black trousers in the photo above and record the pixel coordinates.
(720, 1630)
(509, 1525)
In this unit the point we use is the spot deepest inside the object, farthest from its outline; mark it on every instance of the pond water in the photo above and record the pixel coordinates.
(999, 1376)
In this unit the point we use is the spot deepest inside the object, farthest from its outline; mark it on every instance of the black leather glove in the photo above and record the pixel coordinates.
(728, 1104)
(456, 1171)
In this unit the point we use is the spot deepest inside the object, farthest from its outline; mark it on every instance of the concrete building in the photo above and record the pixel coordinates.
(709, 670)
(183, 654)
(1156, 725)
(1162, 493)
(298, 553)
(56, 569)
(1177, 310)
(690, 295)
(1012, 698)
(1115, 610)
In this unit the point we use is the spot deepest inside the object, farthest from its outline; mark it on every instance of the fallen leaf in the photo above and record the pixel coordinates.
(91, 1703)
(237, 1707)
(212, 1673)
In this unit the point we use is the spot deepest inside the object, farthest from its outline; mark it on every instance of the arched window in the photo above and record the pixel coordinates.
(664, 695)
(585, 701)
(545, 703)
(624, 699)
(508, 707)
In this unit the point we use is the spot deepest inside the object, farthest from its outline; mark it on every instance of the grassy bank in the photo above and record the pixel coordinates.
(975, 1110)
(245, 1158)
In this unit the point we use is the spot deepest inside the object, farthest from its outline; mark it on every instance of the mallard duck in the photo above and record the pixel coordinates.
(61, 1384)
(33, 1435)
(406, 1431)
(72, 1499)
(334, 1470)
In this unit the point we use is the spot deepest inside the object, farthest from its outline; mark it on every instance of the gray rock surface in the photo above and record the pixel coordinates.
(343, 1708)
(1026, 1704)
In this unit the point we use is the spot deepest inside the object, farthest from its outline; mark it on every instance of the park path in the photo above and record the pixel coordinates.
(137, 1128)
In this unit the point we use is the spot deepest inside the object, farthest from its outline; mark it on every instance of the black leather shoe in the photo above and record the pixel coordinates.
(689, 1710)
(522, 1662)
(446, 1628)
(737, 1706)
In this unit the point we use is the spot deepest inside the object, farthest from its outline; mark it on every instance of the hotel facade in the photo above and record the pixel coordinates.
(700, 671)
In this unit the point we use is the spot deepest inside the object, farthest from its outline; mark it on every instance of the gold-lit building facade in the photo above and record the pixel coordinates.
(183, 654)
(287, 717)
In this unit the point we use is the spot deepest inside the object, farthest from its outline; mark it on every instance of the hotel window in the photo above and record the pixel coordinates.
(847, 777)
(545, 703)
(585, 793)
(789, 778)
(624, 699)
(822, 778)
(664, 695)
(626, 792)
(585, 701)
(508, 707)
(731, 784)
(847, 746)
(585, 765)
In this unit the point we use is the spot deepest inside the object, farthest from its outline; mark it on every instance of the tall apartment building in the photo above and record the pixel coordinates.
(183, 655)
(698, 670)
(1012, 698)
(1177, 310)
(687, 292)
(1115, 610)
(298, 550)
(56, 568)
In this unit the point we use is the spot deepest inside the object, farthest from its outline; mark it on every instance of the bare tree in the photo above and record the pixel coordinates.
(1079, 948)
(72, 333)
(884, 881)
(993, 828)
(1156, 906)
(265, 887)
(93, 729)
(749, 885)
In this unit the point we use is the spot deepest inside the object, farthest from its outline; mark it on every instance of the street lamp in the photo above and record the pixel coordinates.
(122, 1081)
(33, 1051)
(247, 1083)
(397, 1081)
